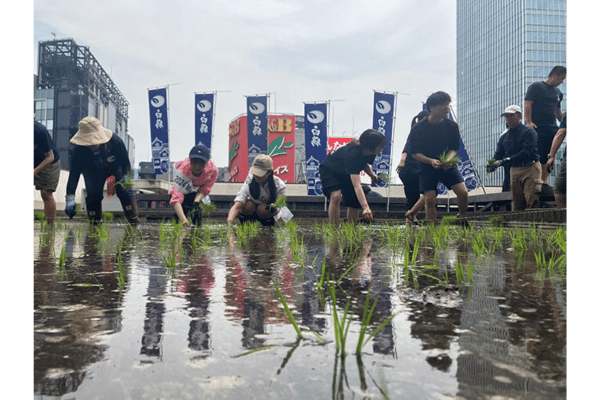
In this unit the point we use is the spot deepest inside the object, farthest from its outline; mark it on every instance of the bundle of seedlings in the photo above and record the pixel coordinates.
(449, 162)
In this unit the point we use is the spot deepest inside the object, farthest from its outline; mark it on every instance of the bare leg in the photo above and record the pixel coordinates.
(430, 211)
(49, 205)
(352, 214)
(335, 199)
(411, 215)
(462, 198)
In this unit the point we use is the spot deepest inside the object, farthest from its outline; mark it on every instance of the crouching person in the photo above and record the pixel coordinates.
(98, 154)
(193, 180)
(254, 201)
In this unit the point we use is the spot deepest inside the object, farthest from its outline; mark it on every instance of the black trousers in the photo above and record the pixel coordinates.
(94, 185)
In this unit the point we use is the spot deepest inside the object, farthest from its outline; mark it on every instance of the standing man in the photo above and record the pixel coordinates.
(560, 185)
(542, 109)
(98, 154)
(517, 149)
(46, 168)
(429, 139)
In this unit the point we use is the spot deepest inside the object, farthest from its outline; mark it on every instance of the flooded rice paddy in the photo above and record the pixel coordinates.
(299, 311)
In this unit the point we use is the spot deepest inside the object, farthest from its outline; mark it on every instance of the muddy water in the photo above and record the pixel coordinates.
(114, 319)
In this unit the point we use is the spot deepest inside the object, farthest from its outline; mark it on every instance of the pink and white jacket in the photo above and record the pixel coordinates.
(184, 182)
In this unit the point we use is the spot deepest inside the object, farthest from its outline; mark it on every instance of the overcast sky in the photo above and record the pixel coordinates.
(296, 50)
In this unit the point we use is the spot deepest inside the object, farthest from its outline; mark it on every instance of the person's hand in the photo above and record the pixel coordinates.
(185, 223)
(368, 214)
(375, 179)
(531, 125)
(436, 164)
(550, 163)
(70, 206)
(399, 168)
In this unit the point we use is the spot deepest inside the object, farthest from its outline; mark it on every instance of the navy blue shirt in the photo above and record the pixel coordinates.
(520, 144)
(42, 144)
(110, 158)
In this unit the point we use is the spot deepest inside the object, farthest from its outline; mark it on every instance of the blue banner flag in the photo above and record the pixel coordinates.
(383, 121)
(257, 126)
(465, 167)
(159, 130)
(315, 143)
(204, 111)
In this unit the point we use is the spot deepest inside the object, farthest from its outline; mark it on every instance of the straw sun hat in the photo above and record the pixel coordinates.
(91, 133)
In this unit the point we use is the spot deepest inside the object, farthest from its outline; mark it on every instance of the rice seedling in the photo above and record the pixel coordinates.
(287, 310)
(464, 273)
(280, 202)
(478, 244)
(366, 321)
(172, 254)
(445, 161)
(518, 241)
(247, 231)
(496, 221)
(340, 325)
(385, 178)
(488, 165)
(108, 216)
(39, 216)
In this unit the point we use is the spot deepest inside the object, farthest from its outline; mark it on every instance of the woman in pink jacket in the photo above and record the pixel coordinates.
(193, 179)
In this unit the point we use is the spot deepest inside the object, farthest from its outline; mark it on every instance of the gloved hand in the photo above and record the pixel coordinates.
(70, 206)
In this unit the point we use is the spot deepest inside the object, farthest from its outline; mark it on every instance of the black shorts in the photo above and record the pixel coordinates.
(332, 182)
(429, 178)
(545, 135)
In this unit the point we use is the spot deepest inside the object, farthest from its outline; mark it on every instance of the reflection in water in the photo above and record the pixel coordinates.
(73, 311)
(196, 282)
(504, 334)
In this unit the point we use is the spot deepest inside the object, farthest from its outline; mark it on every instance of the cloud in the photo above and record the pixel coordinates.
(295, 50)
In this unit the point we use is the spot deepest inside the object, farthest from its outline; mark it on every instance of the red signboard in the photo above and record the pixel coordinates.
(282, 146)
(238, 150)
(333, 143)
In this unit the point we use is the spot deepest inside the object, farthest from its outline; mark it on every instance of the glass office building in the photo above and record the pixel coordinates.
(503, 46)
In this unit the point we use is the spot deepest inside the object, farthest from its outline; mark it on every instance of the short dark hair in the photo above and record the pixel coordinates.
(371, 139)
(437, 98)
(558, 70)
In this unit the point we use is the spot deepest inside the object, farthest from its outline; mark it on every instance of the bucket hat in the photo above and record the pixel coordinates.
(261, 165)
(91, 133)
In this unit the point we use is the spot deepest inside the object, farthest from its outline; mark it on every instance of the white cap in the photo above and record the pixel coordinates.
(511, 110)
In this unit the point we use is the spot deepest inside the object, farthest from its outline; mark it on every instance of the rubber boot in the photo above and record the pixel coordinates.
(94, 216)
(131, 213)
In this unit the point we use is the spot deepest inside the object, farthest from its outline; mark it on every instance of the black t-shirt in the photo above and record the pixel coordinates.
(546, 99)
(347, 160)
(432, 140)
(42, 144)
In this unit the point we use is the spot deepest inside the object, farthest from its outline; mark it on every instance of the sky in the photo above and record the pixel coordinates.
(296, 51)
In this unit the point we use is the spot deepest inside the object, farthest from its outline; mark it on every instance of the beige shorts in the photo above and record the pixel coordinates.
(48, 178)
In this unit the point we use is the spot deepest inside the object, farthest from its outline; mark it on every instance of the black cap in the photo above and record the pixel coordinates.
(200, 152)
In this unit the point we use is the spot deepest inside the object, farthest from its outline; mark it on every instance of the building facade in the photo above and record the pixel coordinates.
(70, 85)
(503, 47)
